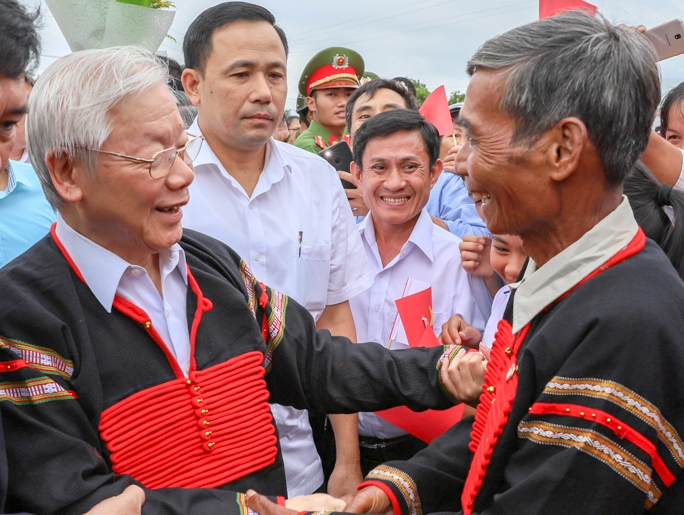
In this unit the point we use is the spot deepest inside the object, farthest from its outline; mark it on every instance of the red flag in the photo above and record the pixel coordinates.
(425, 425)
(551, 7)
(435, 109)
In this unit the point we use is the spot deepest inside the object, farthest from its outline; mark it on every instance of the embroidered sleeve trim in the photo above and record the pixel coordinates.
(447, 357)
(250, 282)
(618, 427)
(241, 500)
(625, 399)
(42, 359)
(276, 324)
(402, 482)
(594, 444)
(34, 391)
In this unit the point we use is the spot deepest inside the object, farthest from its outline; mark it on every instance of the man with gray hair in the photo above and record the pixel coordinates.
(581, 410)
(145, 354)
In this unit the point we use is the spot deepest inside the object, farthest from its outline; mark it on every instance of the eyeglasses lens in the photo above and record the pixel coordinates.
(162, 163)
(192, 150)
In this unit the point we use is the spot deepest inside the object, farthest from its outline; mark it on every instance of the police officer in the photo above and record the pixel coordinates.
(328, 80)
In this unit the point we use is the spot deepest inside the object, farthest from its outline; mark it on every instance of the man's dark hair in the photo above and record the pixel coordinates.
(673, 100)
(19, 40)
(390, 122)
(371, 88)
(197, 42)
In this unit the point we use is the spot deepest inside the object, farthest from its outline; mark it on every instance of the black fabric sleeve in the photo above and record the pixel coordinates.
(313, 370)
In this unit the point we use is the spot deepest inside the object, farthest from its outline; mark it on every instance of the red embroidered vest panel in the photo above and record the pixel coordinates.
(201, 432)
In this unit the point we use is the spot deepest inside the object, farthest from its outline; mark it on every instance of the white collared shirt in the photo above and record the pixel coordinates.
(297, 234)
(107, 275)
(541, 286)
(498, 309)
(430, 255)
(297, 193)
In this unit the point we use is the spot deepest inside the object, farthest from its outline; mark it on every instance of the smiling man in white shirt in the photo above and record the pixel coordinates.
(395, 165)
(282, 209)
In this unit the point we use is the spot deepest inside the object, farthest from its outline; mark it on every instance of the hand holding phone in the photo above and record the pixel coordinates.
(340, 157)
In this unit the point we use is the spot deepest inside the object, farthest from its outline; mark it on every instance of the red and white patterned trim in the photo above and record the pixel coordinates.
(39, 358)
(34, 391)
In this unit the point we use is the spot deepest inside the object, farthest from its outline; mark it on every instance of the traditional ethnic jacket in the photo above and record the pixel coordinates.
(581, 411)
(93, 401)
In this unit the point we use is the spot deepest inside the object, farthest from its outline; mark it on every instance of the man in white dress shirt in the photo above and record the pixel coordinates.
(282, 209)
(395, 164)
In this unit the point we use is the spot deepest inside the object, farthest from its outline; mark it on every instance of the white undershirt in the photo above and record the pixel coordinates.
(107, 275)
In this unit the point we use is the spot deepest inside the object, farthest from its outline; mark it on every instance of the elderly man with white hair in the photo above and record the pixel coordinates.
(137, 353)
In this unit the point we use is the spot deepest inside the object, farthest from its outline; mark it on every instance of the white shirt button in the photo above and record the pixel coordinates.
(166, 312)
(251, 205)
(136, 271)
(257, 256)
(376, 308)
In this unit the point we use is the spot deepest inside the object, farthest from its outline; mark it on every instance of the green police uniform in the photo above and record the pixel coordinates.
(315, 138)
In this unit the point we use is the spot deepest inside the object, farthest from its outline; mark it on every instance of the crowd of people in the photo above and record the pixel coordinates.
(185, 272)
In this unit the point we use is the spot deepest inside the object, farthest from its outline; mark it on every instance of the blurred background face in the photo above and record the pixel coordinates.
(281, 133)
(366, 107)
(507, 256)
(20, 139)
(12, 113)
(294, 128)
(675, 129)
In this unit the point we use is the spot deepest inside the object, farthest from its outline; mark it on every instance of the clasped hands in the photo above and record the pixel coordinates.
(367, 500)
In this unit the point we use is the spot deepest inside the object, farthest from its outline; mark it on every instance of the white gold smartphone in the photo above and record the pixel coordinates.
(667, 39)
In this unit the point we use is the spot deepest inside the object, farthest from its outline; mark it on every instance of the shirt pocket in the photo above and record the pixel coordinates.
(312, 274)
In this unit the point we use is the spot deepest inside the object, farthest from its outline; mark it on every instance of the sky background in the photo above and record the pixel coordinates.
(430, 40)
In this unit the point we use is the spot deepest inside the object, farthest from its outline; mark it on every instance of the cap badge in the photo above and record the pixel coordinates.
(340, 61)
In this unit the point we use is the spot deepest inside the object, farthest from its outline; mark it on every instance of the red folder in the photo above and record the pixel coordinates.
(416, 316)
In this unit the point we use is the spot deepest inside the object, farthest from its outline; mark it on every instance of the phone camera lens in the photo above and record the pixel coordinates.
(678, 36)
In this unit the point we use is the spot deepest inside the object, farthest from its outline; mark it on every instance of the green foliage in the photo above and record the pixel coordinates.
(456, 97)
(163, 4)
(422, 91)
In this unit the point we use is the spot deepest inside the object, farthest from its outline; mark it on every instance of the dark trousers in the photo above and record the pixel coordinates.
(375, 451)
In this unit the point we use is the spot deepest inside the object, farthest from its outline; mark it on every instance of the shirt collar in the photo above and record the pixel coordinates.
(274, 163)
(421, 235)
(103, 270)
(16, 176)
(539, 287)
